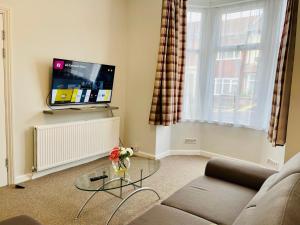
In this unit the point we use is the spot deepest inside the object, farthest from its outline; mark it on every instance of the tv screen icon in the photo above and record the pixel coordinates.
(59, 64)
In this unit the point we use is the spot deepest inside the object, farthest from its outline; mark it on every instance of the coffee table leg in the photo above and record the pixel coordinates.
(92, 195)
(86, 202)
(129, 196)
(135, 186)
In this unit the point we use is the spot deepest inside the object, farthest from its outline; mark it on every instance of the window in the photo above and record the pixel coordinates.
(229, 55)
(231, 60)
(225, 86)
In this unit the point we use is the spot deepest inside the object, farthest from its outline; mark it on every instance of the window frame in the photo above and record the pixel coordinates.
(237, 51)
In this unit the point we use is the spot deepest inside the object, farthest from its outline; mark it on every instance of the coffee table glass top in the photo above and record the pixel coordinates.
(108, 179)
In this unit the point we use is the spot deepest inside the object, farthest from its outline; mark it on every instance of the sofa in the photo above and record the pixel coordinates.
(233, 193)
(20, 220)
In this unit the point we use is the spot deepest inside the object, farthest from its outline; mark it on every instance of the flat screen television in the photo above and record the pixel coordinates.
(75, 82)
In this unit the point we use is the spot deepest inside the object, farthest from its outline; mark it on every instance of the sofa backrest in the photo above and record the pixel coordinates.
(290, 167)
(262, 191)
(280, 205)
(278, 200)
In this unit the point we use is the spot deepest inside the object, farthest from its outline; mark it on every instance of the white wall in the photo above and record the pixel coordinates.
(163, 141)
(241, 143)
(143, 41)
(89, 30)
(293, 134)
(144, 24)
(119, 32)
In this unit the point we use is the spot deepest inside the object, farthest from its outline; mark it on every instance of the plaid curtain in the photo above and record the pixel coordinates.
(168, 87)
(283, 80)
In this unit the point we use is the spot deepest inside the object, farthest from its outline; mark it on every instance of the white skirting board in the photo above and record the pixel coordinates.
(30, 176)
(145, 155)
(23, 178)
(202, 153)
(181, 152)
(208, 155)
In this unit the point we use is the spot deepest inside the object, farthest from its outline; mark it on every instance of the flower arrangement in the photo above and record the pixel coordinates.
(119, 157)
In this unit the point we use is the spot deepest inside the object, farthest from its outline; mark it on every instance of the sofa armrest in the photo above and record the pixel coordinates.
(238, 172)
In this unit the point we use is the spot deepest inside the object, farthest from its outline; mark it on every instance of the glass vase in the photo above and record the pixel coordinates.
(121, 166)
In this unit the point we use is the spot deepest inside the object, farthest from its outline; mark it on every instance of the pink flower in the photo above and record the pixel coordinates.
(114, 155)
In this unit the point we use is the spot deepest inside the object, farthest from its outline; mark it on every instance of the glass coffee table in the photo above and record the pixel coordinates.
(104, 179)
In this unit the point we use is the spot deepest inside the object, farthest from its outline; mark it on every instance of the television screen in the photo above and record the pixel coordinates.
(76, 82)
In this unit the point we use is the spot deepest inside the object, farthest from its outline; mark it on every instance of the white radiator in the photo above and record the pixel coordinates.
(60, 144)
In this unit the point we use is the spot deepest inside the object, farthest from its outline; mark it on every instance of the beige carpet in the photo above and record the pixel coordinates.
(53, 200)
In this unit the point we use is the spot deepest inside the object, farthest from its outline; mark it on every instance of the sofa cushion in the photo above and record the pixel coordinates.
(164, 215)
(290, 167)
(212, 199)
(278, 206)
(20, 220)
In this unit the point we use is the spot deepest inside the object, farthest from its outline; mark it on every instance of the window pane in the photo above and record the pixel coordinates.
(228, 64)
(191, 69)
(236, 66)
(228, 75)
(193, 30)
(229, 55)
(241, 28)
(218, 86)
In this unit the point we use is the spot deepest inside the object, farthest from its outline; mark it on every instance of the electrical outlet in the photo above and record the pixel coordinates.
(190, 141)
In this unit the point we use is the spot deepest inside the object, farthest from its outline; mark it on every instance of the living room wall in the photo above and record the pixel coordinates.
(143, 41)
(293, 143)
(247, 144)
(124, 33)
(89, 30)
(241, 143)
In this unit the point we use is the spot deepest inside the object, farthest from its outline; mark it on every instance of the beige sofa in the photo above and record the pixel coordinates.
(20, 220)
(233, 193)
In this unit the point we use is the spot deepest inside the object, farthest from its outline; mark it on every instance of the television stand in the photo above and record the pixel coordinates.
(80, 109)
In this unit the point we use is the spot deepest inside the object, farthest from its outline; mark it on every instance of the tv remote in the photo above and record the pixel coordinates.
(92, 179)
